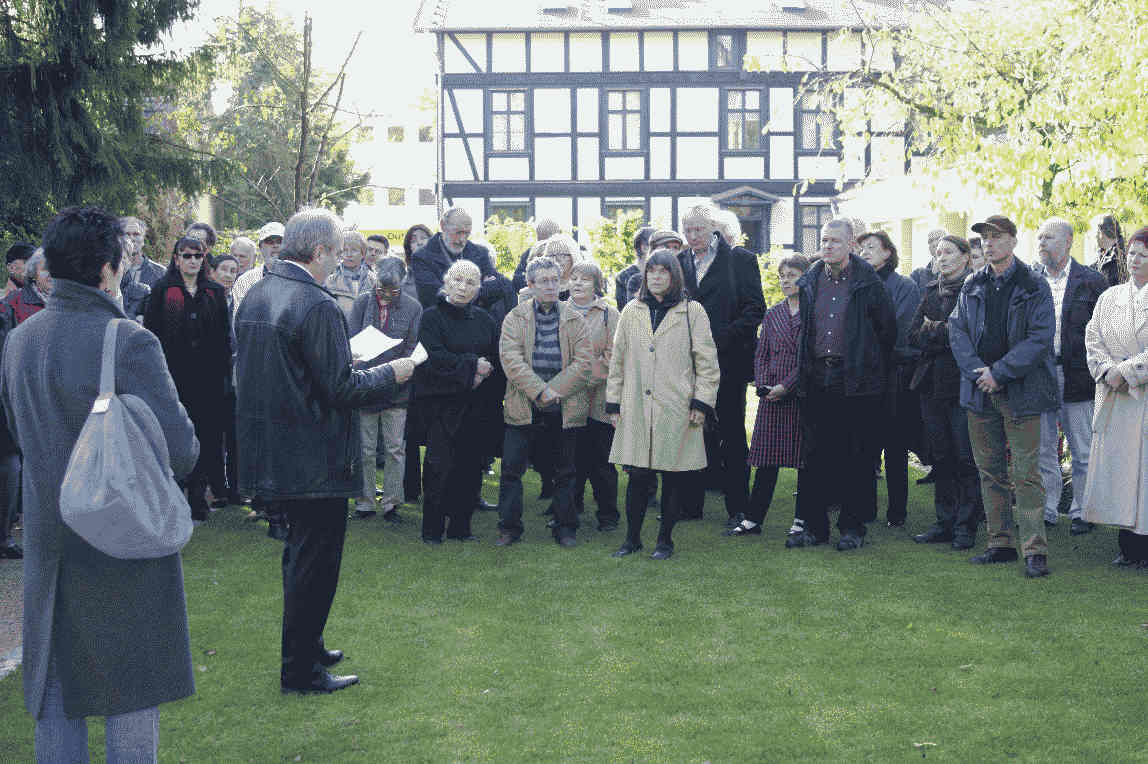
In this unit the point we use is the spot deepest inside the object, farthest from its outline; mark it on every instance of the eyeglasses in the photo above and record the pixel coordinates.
(388, 291)
(190, 255)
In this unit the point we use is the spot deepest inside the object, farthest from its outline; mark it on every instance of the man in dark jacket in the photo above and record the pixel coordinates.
(140, 269)
(848, 332)
(1075, 290)
(1002, 334)
(727, 282)
(451, 243)
(299, 437)
(622, 280)
(903, 406)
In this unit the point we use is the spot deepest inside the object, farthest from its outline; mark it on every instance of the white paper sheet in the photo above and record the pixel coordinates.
(371, 343)
(419, 354)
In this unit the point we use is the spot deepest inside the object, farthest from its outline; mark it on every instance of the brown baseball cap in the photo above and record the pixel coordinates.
(998, 223)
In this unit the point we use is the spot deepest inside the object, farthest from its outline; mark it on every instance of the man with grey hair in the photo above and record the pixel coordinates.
(1075, 290)
(243, 250)
(300, 436)
(140, 269)
(397, 315)
(926, 273)
(848, 331)
(429, 264)
(544, 228)
(726, 281)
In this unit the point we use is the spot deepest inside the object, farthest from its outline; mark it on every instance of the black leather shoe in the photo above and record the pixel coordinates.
(849, 542)
(482, 506)
(626, 549)
(1079, 527)
(799, 540)
(895, 523)
(1036, 566)
(323, 682)
(1122, 562)
(733, 522)
(934, 535)
(663, 552)
(995, 554)
(328, 658)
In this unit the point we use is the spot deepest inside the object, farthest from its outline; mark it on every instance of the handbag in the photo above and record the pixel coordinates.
(119, 493)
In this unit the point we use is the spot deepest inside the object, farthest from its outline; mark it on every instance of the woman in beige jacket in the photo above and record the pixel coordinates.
(661, 388)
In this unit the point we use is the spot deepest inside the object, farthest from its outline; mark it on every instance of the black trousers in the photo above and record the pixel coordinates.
(230, 451)
(726, 452)
(9, 493)
(642, 481)
(209, 467)
(900, 433)
(1133, 546)
(312, 555)
(839, 464)
(517, 444)
(957, 490)
(592, 463)
(452, 472)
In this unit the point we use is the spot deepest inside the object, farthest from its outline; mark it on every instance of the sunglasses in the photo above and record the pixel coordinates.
(190, 255)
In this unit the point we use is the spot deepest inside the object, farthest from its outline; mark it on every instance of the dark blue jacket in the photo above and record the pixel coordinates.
(429, 265)
(296, 418)
(1026, 370)
(906, 296)
(870, 329)
(1080, 296)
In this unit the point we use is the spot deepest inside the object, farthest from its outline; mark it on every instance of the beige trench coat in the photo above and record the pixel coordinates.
(1117, 335)
(516, 350)
(653, 380)
(602, 322)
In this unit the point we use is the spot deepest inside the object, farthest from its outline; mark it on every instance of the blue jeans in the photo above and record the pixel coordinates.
(131, 738)
(516, 446)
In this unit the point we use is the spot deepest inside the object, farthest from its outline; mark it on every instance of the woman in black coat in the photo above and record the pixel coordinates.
(188, 312)
(937, 379)
(453, 391)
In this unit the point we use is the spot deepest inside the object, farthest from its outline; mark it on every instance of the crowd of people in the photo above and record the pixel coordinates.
(976, 362)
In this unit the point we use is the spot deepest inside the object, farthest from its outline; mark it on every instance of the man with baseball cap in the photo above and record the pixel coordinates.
(1002, 336)
(270, 241)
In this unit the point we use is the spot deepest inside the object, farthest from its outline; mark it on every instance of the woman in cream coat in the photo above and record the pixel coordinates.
(661, 387)
(1117, 343)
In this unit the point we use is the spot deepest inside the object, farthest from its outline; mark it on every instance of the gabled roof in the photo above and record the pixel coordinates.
(599, 15)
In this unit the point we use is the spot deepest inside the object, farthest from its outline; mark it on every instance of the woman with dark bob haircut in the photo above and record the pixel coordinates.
(661, 387)
(102, 636)
(188, 312)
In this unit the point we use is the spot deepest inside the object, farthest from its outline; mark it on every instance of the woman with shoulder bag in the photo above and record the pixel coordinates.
(103, 636)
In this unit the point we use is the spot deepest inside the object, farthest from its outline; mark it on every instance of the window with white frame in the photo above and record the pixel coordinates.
(743, 120)
(624, 120)
(507, 121)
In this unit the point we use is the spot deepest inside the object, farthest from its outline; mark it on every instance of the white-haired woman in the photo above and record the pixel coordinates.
(461, 341)
(353, 276)
(592, 455)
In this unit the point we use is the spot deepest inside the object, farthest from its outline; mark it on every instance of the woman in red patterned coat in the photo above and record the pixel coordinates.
(777, 432)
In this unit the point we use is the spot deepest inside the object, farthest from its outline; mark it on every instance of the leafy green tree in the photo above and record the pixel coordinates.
(1037, 103)
(611, 241)
(283, 129)
(83, 116)
(508, 239)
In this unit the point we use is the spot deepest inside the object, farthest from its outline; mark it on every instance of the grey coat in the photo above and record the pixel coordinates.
(117, 628)
(402, 323)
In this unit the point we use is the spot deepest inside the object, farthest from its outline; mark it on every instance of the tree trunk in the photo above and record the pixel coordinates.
(304, 114)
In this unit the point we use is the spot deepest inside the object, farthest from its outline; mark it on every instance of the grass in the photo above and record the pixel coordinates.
(736, 650)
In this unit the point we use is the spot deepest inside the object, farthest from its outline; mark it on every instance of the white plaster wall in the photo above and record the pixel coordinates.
(508, 52)
(455, 62)
(469, 109)
(547, 53)
(660, 158)
(697, 110)
(659, 51)
(693, 51)
(781, 156)
(697, 158)
(660, 110)
(586, 52)
(817, 167)
(588, 159)
(781, 222)
(587, 110)
(767, 47)
(854, 151)
(456, 166)
(552, 159)
(744, 167)
(625, 168)
(844, 51)
(888, 156)
(552, 110)
(803, 51)
(780, 110)
(589, 213)
(509, 168)
(558, 208)
(623, 51)
(661, 211)
(476, 208)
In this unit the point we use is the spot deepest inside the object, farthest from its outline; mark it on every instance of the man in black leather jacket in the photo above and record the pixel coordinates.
(298, 430)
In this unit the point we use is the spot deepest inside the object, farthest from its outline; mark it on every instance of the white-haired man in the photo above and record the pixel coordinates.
(140, 269)
(727, 282)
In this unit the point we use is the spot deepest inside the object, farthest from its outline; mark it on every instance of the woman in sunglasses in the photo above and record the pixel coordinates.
(188, 312)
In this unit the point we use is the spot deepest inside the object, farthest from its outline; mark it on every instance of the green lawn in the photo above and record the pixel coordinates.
(736, 650)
